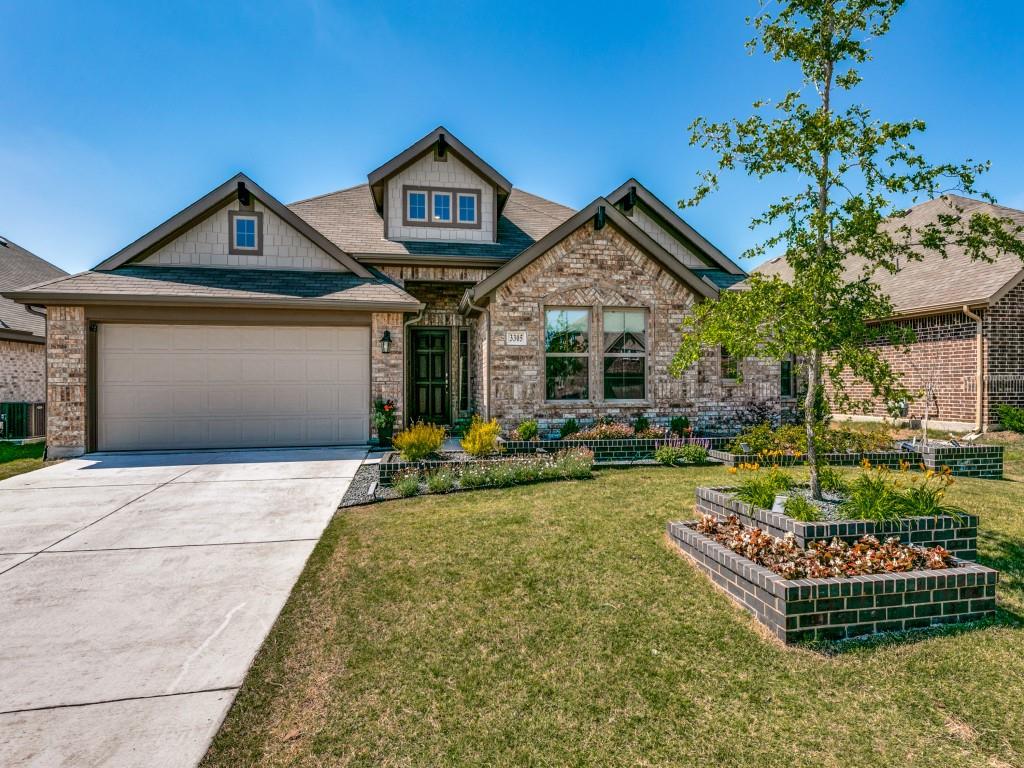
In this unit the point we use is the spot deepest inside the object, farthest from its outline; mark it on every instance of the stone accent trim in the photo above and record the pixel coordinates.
(66, 368)
(831, 609)
(960, 537)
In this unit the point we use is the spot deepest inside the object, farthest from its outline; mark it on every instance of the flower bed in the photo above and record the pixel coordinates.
(609, 450)
(958, 534)
(841, 607)
(892, 459)
(392, 466)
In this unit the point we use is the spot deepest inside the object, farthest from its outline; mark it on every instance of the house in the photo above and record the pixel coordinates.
(241, 321)
(967, 316)
(22, 330)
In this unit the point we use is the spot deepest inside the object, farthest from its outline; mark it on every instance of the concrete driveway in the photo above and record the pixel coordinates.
(135, 590)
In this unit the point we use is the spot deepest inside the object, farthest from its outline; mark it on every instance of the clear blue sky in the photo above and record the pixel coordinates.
(117, 115)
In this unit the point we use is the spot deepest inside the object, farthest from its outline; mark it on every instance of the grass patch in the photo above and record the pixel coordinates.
(551, 625)
(16, 459)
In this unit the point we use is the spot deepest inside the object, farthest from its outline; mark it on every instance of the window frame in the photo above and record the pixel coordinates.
(728, 364)
(434, 194)
(585, 355)
(233, 248)
(430, 221)
(645, 355)
(458, 208)
(407, 193)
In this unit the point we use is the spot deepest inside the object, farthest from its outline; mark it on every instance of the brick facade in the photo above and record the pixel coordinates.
(22, 372)
(66, 355)
(1004, 331)
(387, 377)
(599, 269)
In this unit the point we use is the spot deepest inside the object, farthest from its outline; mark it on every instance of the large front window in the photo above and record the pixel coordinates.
(625, 354)
(566, 349)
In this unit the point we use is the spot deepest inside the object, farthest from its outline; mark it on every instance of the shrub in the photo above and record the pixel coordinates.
(760, 488)
(694, 454)
(569, 427)
(641, 424)
(679, 425)
(441, 481)
(527, 430)
(799, 508)
(831, 479)
(872, 497)
(482, 437)
(419, 441)
(923, 497)
(1011, 418)
(500, 474)
(607, 431)
(473, 476)
(407, 485)
(669, 455)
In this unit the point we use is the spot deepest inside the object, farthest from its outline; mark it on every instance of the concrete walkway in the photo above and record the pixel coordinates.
(135, 590)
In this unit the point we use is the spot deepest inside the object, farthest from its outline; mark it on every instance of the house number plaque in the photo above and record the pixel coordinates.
(515, 338)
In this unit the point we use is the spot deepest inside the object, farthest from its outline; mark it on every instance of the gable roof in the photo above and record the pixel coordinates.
(612, 216)
(211, 203)
(678, 225)
(378, 177)
(348, 218)
(223, 287)
(935, 284)
(18, 268)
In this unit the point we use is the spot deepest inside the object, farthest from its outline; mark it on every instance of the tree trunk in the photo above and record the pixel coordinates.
(810, 403)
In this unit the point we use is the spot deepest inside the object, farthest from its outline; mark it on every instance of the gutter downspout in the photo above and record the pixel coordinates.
(487, 352)
(979, 419)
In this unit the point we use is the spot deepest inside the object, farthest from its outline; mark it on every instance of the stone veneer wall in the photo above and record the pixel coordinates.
(22, 372)
(598, 269)
(387, 375)
(66, 334)
(836, 608)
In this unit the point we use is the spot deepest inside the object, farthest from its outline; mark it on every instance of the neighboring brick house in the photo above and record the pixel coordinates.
(22, 331)
(968, 317)
(245, 322)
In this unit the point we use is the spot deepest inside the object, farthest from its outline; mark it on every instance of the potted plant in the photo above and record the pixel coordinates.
(384, 421)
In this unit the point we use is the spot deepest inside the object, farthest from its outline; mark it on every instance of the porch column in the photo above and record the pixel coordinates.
(66, 380)
(387, 371)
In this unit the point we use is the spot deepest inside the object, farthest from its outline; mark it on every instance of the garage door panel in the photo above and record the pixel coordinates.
(231, 386)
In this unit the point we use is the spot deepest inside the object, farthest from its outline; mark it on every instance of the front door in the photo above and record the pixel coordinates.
(430, 367)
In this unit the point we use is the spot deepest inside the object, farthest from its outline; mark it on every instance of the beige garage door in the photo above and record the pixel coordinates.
(195, 386)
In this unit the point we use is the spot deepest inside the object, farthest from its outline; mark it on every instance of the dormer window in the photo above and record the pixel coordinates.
(416, 206)
(442, 207)
(245, 233)
(467, 209)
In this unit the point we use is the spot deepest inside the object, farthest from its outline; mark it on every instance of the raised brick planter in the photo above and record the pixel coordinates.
(889, 459)
(606, 451)
(836, 608)
(985, 461)
(960, 537)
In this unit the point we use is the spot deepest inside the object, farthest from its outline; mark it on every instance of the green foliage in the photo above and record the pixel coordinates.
(924, 497)
(569, 427)
(831, 479)
(1011, 418)
(383, 413)
(849, 177)
(760, 487)
(799, 508)
(527, 430)
(419, 441)
(441, 481)
(792, 439)
(474, 476)
(872, 496)
(679, 425)
(407, 485)
(641, 424)
(695, 454)
(671, 455)
(482, 437)
(10, 451)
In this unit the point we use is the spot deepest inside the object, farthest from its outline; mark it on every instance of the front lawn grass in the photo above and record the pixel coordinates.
(551, 625)
(16, 459)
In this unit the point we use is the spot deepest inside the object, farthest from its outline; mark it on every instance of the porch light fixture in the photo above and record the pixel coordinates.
(385, 342)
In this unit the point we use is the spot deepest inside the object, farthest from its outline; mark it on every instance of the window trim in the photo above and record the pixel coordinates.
(408, 192)
(458, 208)
(453, 223)
(645, 355)
(724, 359)
(585, 355)
(434, 194)
(233, 248)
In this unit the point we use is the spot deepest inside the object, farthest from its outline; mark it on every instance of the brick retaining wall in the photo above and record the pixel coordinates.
(985, 461)
(960, 537)
(836, 608)
(889, 459)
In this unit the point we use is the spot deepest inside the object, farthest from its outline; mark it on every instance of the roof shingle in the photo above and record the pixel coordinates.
(19, 268)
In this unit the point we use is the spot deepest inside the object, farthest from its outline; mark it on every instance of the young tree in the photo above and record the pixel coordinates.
(848, 171)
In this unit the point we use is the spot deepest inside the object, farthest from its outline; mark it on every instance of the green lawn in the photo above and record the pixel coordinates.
(551, 625)
(15, 459)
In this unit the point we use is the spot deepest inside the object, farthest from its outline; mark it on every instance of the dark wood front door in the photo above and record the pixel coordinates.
(430, 367)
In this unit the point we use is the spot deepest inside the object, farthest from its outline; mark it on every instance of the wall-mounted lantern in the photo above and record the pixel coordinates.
(385, 342)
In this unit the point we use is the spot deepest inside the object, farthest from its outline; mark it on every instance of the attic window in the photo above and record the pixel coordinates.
(467, 209)
(245, 233)
(416, 206)
(442, 203)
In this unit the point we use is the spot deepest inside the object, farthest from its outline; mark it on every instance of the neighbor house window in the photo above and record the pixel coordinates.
(729, 367)
(442, 206)
(625, 354)
(467, 209)
(566, 348)
(245, 232)
(416, 206)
